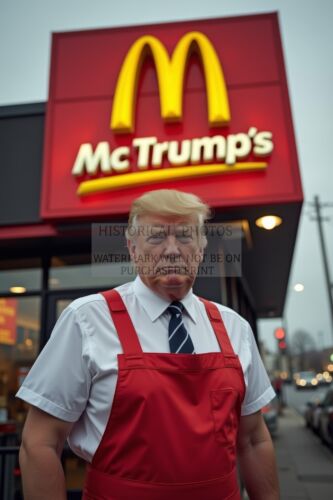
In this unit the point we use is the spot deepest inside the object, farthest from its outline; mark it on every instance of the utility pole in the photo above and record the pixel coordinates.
(319, 219)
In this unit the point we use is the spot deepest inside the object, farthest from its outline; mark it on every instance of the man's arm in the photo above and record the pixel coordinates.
(257, 458)
(42, 443)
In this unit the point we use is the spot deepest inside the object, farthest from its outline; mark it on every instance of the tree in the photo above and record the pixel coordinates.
(302, 343)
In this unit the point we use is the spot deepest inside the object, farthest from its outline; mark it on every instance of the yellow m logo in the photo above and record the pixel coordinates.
(170, 75)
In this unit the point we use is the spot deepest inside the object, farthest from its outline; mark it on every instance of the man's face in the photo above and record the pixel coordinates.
(167, 252)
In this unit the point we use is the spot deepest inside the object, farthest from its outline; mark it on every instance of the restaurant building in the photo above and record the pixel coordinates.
(199, 106)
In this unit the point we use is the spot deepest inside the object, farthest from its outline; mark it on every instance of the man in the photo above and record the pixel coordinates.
(158, 390)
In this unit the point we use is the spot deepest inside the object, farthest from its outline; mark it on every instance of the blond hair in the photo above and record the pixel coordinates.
(167, 202)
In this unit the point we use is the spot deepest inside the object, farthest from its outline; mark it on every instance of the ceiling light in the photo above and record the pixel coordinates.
(268, 222)
(17, 289)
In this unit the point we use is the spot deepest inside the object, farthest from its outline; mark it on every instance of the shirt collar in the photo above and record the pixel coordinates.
(155, 306)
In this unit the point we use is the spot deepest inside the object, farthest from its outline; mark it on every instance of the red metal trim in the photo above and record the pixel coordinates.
(17, 232)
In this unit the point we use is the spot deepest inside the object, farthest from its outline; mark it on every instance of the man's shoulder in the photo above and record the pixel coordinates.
(96, 299)
(85, 301)
(228, 313)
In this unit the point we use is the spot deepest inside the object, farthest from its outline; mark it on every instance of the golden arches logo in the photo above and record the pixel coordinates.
(187, 158)
(170, 75)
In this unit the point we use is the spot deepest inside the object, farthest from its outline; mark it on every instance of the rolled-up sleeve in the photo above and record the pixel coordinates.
(259, 390)
(59, 381)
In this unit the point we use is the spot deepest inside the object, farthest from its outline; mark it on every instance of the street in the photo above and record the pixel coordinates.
(297, 399)
(305, 465)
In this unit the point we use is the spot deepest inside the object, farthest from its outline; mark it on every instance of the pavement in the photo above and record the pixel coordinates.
(305, 465)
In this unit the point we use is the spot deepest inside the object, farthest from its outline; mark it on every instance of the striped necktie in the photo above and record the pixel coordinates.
(179, 339)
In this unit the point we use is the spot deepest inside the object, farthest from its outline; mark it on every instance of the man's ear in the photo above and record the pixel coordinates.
(201, 254)
(131, 249)
(203, 247)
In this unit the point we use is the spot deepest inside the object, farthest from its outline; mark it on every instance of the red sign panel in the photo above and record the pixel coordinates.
(8, 316)
(199, 106)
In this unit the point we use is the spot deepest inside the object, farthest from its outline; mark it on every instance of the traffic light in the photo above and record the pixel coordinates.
(282, 345)
(280, 335)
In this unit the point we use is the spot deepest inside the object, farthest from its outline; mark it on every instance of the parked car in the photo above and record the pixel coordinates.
(306, 380)
(326, 419)
(312, 413)
(270, 414)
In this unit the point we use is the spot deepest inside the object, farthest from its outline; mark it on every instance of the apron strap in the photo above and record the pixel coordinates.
(129, 338)
(123, 323)
(218, 326)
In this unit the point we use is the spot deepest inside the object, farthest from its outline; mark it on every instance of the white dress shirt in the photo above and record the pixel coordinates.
(74, 377)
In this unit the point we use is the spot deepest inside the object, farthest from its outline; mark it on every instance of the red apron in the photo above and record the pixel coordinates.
(173, 426)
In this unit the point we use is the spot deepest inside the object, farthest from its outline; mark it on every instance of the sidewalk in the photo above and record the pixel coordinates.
(305, 466)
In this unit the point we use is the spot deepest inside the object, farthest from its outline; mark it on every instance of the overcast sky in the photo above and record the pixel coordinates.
(307, 36)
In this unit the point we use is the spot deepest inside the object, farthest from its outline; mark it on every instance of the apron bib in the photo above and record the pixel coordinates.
(174, 420)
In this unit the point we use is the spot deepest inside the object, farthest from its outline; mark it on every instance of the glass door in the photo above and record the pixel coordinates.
(74, 467)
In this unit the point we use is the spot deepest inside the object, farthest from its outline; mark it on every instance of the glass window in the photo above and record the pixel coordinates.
(19, 346)
(70, 272)
(61, 304)
(25, 275)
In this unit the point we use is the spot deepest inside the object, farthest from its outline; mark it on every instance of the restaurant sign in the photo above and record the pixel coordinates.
(177, 105)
